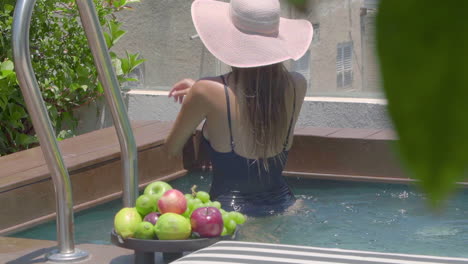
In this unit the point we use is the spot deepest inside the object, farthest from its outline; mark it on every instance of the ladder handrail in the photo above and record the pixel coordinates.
(66, 251)
(113, 95)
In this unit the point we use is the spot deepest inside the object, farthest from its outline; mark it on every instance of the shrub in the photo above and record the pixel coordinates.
(63, 65)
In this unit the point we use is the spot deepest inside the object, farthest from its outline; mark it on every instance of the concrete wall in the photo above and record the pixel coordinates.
(160, 31)
(93, 116)
(316, 111)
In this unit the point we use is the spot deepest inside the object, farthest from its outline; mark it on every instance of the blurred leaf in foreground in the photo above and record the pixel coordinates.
(423, 53)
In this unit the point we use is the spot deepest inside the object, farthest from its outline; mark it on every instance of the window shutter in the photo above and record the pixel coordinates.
(344, 64)
(347, 65)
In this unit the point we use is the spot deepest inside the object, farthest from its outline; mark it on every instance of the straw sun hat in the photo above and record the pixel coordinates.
(250, 33)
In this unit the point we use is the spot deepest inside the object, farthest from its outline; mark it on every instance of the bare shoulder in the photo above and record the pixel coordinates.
(300, 83)
(207, 87)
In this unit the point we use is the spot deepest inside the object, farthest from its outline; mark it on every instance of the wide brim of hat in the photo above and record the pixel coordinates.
(245, 50)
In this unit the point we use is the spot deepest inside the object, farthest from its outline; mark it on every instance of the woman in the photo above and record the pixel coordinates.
(250, 112)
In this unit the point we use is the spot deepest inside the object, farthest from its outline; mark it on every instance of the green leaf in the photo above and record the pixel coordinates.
(108, 39)
(115, 32)
(119, 3)
(125, 64)
(8, 8)
(74, 86)
(82, 71)
(7, 66)
(99, 87)
(112, 54)
(23, 139)
(53, 113)
(423, 56)
(132, 62)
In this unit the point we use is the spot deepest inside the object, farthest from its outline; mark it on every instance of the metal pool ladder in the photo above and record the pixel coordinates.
(66, 251)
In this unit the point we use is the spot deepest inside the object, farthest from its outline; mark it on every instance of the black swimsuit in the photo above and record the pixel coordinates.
(242, 185)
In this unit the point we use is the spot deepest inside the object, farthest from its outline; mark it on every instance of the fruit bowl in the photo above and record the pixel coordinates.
(171, 249)
(155, 245)
(180, 215)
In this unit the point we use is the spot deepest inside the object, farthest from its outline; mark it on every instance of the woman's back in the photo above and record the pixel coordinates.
(216, 128)
(242, 180)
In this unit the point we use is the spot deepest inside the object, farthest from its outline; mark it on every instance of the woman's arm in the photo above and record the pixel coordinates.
(195, 108)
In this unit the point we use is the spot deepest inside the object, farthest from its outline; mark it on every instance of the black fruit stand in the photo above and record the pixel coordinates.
(171, 249)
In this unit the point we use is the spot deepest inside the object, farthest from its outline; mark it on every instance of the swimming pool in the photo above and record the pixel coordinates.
(335, 214)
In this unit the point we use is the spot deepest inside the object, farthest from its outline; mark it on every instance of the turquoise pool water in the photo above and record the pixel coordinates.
(349, 215)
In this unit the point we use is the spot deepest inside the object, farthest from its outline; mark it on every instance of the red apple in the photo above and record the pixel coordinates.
(152, 217)
(207, 222)
(172, 201)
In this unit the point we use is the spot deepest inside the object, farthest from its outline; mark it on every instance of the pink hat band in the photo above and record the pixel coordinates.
(250, 33)
(255, 18)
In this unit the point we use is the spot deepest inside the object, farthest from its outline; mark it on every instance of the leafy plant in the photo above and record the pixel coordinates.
(423, 56)
(63, 65)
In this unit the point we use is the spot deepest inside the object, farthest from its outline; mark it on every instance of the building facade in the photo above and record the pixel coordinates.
(341, 60)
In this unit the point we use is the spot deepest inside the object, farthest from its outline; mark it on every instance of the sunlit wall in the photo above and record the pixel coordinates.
(340, 62)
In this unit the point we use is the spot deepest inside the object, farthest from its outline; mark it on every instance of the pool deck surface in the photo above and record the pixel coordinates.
(32, 251)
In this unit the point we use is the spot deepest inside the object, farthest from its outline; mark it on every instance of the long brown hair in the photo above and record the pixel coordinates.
(261, 95)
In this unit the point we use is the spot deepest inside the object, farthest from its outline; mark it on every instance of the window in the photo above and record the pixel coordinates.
(316, 36)
(344, 66)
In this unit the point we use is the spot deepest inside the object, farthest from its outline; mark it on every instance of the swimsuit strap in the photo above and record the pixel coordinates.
(290, 122)
(228, 112)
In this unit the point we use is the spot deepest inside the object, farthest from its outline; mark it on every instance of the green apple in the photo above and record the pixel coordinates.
(144, 230)
(187, 213)
(171, 226)
(203, 196)
(225, 232)
(216, 204)
(223, 212)
(194, 204)
(126, 222)
(145, 204)
(237, 217)
(226, 216)
(197, 200)
(190, 203)
(230, 226)
(157, 189)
